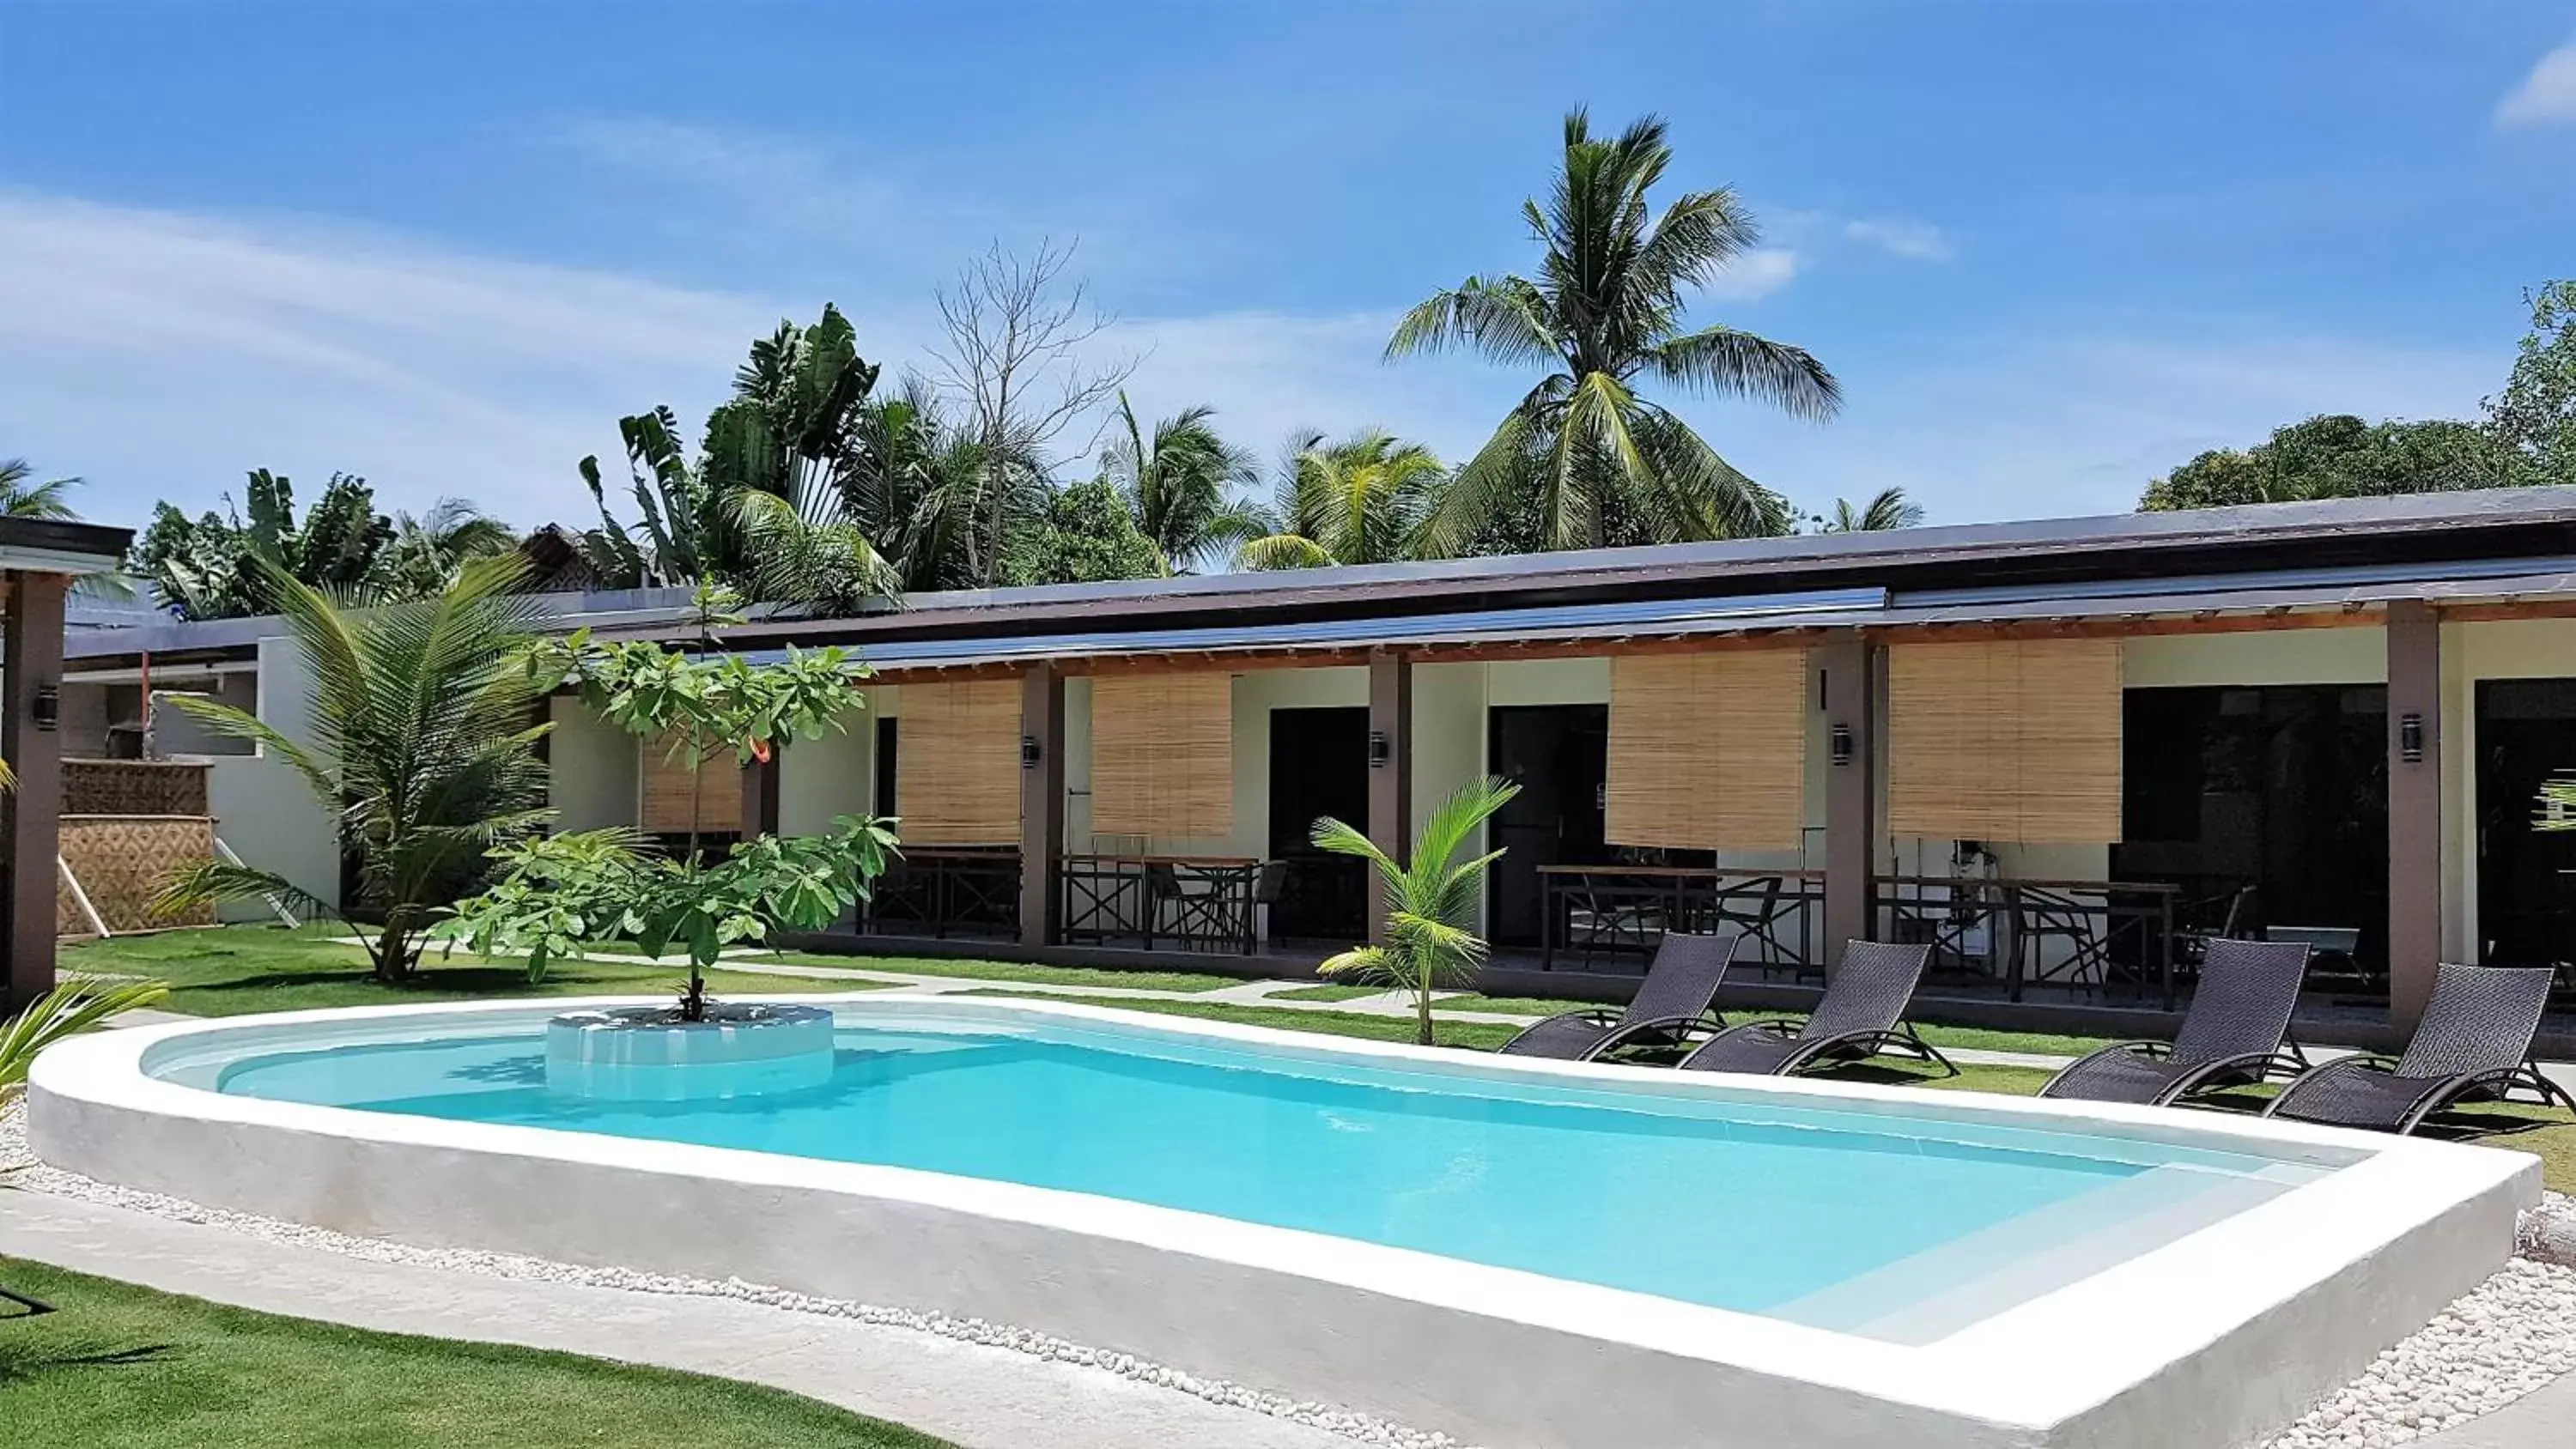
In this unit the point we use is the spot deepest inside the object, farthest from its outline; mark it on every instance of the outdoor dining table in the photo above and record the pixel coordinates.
(1110, 896)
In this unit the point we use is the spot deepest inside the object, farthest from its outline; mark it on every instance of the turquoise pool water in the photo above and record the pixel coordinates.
(1891, 1225)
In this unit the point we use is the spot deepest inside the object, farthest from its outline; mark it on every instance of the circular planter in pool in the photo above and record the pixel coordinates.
(647, 1054)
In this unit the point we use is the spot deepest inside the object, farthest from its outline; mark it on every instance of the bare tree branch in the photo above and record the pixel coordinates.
(1016, 334)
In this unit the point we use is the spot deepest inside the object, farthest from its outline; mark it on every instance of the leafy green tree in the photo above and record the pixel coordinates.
(23, 496)
(222, 566)
(2337, 455)
(2534, 419)
(1362, 500)
(1087, 536)
(680, 534)
(1180, 484)
(1430, 901)
(1887, 509)
(417, 741)
(1605, 313)
(558, 896)
(426, 552)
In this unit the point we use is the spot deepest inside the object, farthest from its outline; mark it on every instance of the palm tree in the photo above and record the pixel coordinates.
(1179, 485)
(426, 551)
(416, 740)
(1606, 312)
(1429, 902)
(69, 1009)
(20, 497)
(919, 487)
(1362, 500)
(1888, 509)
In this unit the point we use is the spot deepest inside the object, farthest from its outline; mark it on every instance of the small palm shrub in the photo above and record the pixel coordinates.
(1429, 901)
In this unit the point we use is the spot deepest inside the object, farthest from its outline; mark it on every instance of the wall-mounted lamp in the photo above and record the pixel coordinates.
(1839, 744)
(1379, 750)
(2410, 738)
(47, 711)
(1030, 752)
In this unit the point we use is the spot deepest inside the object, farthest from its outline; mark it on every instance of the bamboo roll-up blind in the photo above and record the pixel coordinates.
(1708, 751)
(2014, 739)
(957, 762)
(1162, 755)
(666, 790)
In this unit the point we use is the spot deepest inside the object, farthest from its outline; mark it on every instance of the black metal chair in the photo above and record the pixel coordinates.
(1268, 888)
(1756, 909)
(1861, 1015)
(2236, 1033)
(1678, 995)
(2040, 916)
(2474, 1044)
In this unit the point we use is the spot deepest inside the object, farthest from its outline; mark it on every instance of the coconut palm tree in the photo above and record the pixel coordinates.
(22, 497)
(416, 740)
(1429, 902)
(920, 486)
(1362, 500)
(1180, 484)
(70, 1008)
(1604, 315)
(425, 552)
(1888, 509)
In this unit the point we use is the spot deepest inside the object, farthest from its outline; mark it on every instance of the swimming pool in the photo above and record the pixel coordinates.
(1867, 1222)
(1521, 1253)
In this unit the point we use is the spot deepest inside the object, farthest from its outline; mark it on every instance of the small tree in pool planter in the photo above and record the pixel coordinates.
(1428, 903)
(558, 896)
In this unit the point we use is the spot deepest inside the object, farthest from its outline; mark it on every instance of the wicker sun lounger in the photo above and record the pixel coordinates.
(1862, 1015)
(1678, 995)
(2235, 1034)
(2474, 1044)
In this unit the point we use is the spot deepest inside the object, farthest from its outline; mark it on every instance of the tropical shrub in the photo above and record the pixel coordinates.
(1430, 900)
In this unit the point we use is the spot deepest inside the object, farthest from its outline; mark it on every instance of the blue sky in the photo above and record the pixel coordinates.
(2051, 249)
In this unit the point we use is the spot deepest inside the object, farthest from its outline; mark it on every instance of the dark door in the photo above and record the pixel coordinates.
(886, 731)
(2526, 735)
(1559, 755)
(1318, 767)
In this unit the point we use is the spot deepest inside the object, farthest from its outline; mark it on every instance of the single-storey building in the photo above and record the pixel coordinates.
(2066, 752)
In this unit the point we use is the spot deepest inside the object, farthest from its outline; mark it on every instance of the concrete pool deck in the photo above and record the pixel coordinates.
(974, 1396)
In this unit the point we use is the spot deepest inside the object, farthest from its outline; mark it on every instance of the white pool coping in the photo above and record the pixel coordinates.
(2213, 1338)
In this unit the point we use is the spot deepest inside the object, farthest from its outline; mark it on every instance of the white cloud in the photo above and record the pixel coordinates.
(1755, 275)
(1898, 236)
(2546, 97)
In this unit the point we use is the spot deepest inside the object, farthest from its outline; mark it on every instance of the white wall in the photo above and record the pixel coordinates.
(592, 769)
(821, 779)
(263, 807)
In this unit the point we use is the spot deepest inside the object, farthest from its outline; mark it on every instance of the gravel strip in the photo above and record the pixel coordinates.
(2511, 1335)
(20, 1168)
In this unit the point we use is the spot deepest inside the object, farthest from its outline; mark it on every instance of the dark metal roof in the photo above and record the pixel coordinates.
(60, 545)
(2080, 567)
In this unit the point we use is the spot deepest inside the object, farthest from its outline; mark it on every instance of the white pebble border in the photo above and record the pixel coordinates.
(2511, 1335)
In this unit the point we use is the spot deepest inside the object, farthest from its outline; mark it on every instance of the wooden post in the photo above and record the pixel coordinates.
(2414, 807)
(1390, 759)
(31, 677)
(1041, 801)
(1850, 700)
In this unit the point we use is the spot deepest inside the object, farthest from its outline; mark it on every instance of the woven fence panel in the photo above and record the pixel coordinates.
(957, 762)
(2015, 739)
(134, 787)
(1162, 755)
(665, 805)
(1708, 751)
(123, 861)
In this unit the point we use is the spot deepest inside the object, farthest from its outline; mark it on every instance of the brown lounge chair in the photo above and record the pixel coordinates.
(1678, 995)
(2474, 1044)
(2236, 1034)
(1861, 1016)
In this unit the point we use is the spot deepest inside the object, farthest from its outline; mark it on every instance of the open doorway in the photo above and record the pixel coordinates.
(1318, 767)
(1559, 754)
(2526, 733)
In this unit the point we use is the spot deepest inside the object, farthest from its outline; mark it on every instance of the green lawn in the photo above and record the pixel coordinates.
(230, 970)
(121, 1367)
(1015, 971)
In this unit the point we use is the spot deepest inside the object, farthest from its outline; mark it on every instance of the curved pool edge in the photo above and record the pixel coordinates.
(2309, 1287)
